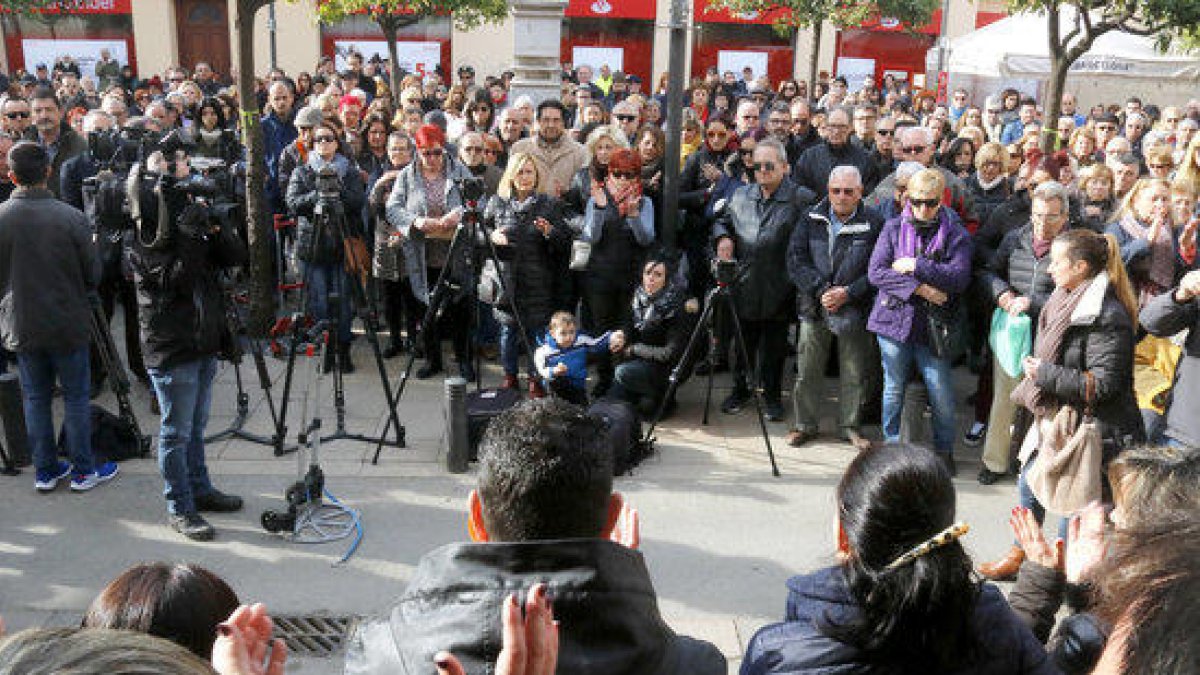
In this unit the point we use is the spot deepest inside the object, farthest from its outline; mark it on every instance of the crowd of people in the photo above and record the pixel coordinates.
(911, 235)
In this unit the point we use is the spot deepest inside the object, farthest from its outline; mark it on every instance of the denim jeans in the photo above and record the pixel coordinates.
(511, 347)
(898, 360)
(1027, 499)
(323, 281)
(641, 383)
(184, 394)
(38, 370)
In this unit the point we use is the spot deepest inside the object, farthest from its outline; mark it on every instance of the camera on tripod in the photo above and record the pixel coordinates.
(472, 188)
(725, 271)
(329, 183)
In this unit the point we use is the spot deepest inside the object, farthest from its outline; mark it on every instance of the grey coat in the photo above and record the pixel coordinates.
(405, 205)
(48, 269)
(1164, 317)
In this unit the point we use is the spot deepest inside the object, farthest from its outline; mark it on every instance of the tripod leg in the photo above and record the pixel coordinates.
(740, 339)
(684, 359)
(371, 323)
(281, 424)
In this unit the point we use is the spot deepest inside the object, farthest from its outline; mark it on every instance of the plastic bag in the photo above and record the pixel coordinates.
(1011, 339)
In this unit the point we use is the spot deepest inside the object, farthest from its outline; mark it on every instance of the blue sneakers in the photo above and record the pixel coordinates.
(82, 482)
(46, 481)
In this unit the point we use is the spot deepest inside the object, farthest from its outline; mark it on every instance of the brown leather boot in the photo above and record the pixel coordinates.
(1004, 568)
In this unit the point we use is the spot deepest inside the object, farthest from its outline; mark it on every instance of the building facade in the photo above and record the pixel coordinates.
(626, 35)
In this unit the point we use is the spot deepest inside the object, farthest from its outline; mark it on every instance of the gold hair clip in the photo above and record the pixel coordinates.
(938, 540)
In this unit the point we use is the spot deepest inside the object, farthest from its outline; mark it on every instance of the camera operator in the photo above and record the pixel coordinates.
(328, 180)
(103, 201)
(754, 229)
(177, 254)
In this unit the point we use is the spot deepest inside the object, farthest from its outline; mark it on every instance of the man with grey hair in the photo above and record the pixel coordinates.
(812, 169)
(827, 261)
(747, 118)
(754, 229)
(625, 117)
(1136, 125)
(1125, 167)
(1015, 279)
(115, 106)
(915, 144)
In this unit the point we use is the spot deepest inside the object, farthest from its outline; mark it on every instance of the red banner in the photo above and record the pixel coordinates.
(890, 25)
(708, 14)
(90, 7)
(613, 9)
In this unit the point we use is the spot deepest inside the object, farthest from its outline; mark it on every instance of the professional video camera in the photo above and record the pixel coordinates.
(472, 188)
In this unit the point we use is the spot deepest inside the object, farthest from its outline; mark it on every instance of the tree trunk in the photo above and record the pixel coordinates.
(394, 58)
(814, 56)
(1054, 89)
(258, 227)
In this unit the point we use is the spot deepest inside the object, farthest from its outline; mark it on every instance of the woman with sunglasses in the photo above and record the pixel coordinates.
(425, 209)
(619, 224)
(697, 182)
(921, 265)
(321, 250)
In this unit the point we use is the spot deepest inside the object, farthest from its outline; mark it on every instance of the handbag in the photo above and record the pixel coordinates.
(943, 329)
(1011, 339)
(581, 252)
(1066, 471)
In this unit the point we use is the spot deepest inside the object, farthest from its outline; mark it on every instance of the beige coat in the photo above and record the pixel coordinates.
(557, 163)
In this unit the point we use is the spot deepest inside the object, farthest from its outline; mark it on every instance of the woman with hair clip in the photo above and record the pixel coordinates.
(901, 598)
(1082, 356)
(619, 224)
(532, 244)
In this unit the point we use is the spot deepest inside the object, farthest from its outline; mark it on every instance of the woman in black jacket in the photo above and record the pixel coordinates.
(699, 178)
(532, 242)
(902, 598)
(655, 338)
(988, 186)
(320, 242)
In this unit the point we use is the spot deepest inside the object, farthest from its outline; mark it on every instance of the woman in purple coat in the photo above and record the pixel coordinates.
(920, 265)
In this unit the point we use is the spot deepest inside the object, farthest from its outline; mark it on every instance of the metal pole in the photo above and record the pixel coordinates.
(944, 41)
(271, 32)
(671, 168)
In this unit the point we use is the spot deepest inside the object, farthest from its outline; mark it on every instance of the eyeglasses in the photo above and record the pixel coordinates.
(17, 115)
(1160, 166)
(914, 149)
(885, 132)
(325, 139)
(842, 191)
(472, 150)
(764, 166)
(431, 153)
(626, 118)
(1105, 127)
(625, 175)
(718, 134)
(924, 203)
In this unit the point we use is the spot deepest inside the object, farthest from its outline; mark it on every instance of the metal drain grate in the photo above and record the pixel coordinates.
(314, 635)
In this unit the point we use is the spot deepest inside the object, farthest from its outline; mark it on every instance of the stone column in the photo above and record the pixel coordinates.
(537, 40)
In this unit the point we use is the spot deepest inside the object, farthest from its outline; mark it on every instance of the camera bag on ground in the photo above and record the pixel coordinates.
(114, 439)
(482, 406)
(623, 425)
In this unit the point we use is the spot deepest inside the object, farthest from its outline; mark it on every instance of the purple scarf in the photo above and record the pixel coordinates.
(906, 245)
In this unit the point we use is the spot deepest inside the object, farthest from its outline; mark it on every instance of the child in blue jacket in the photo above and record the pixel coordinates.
(562, 357)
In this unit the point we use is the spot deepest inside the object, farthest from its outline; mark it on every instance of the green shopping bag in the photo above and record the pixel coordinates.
(1011, 340)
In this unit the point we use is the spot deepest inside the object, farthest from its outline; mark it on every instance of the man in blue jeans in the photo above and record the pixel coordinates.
(48, 276)
(183, 330)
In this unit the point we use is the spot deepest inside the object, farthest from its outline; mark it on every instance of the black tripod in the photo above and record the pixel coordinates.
(469, 233)
(722, 293)
(117, 377)
(238, 332)
(328, 217)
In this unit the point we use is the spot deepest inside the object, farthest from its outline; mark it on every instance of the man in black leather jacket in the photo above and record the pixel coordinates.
(813, 167)
(544, 512)
(754, 229)
(176, 257)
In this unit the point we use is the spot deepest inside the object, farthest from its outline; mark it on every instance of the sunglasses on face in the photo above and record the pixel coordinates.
(325, 139)
(764, 166)
(472, 150)
(914, 149)
(884, 132)
(626, 118)
(924, 203)
(431, 153)
(746, 152)
(17, 115)
(625, 175)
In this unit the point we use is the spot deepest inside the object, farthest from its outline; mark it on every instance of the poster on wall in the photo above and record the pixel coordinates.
(85, 52)
(855, 70)
(730, 60)
(613, 57)
(414, 57)
(898, 75)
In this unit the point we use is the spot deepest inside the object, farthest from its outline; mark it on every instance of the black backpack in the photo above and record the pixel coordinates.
(623, 425)
(113, 438)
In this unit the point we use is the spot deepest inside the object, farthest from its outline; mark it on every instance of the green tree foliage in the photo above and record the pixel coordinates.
(392, 15)
(795, 14)
(1074, 26)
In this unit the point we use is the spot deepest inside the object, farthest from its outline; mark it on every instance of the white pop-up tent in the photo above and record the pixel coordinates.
(1015, 51)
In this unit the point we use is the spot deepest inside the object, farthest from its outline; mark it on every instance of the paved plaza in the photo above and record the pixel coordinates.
(719, 533)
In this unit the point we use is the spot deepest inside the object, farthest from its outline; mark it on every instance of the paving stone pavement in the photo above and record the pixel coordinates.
(719, 533)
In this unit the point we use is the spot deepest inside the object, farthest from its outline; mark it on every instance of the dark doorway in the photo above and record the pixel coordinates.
(203, 33)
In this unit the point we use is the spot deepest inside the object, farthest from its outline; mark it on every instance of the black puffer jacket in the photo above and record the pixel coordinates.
(985, 200)
(812, 169)
(659, 327)
(530, 260)
(602, 597)
(1100, 339)
(180, 303)
(1015, 268)
(761, 229)
(814, 267)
